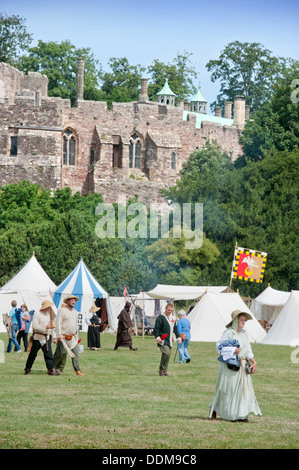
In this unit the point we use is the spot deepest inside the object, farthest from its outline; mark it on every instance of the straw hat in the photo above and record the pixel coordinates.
(46, 304)
(69, 297)
(236, 313)
(94, 309)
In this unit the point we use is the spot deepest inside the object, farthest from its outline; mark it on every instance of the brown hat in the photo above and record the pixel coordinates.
(46, 304)
(94, 309)
(236, 313)
(69, 297)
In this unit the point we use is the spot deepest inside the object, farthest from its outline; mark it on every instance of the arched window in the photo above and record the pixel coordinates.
(135, 151)
(173, 161)
(69, 147)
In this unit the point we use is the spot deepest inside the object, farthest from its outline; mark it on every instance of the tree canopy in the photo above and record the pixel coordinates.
(247, 69)
(14, 37)
(58, 61)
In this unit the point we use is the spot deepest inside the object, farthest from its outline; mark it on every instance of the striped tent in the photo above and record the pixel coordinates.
(82, 283)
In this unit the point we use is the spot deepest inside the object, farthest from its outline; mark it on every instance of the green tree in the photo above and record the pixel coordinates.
(14, 37)
(177, 264)
(180, 74)
(246, 69)
(58, 61)
(255, 205)
(276, 123)
(122, 84)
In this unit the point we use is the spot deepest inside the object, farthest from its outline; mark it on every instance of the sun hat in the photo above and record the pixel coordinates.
(94, 309)
(235, 314)
(69, 297)
(46, 304)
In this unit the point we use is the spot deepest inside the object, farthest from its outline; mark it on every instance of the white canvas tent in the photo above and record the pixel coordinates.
(81, 283)
(152, 307)
(30, 285)
(268, 305)
(212, 313)
(285, 330)
(171, 292)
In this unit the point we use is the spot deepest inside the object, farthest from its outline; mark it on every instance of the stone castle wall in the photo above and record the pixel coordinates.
(102, 136)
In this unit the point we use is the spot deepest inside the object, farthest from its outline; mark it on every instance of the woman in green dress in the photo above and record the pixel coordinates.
(234, 396)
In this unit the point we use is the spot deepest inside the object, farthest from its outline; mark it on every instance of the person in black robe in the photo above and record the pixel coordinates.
(124, 338)
(93, 320)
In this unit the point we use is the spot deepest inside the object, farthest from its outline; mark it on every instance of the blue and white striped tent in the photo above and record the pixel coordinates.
(82, 283)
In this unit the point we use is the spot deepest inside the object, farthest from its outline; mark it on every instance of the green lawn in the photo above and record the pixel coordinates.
(122, 402)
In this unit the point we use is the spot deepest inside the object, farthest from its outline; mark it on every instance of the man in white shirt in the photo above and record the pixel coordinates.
(67, 332)
(41, 338)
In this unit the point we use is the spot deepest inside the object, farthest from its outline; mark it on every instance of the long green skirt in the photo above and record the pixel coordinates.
(234, 397)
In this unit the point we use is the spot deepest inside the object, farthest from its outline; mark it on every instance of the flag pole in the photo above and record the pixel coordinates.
(231, 275)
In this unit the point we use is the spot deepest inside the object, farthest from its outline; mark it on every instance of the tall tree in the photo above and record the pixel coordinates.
(276, 123)
(122, 84)
(58, 61)
(246, 69)
(14, 37)
(180, 74)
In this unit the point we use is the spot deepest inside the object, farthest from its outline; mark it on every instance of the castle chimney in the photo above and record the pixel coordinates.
(181, 104)
(218, 111)
(247, 112)
(239, 111)
(228, 109)
(143, 97)
(80, 79)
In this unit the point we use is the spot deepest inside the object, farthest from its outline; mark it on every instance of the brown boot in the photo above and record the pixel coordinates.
(161, 372)
(78, 372)
(27, 371)
(51, 372)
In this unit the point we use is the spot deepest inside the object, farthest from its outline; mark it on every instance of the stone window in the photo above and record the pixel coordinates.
(14, 146)
(92, 158)
(135, 151)
(69, 147)
(173, 161)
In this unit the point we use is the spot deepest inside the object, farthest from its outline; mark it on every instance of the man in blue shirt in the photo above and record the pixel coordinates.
(184, 328)
(14, 328)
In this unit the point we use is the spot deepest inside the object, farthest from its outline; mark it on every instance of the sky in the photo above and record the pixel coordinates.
(160, 29)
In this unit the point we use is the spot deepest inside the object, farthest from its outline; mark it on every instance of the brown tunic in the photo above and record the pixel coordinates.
(123, 338)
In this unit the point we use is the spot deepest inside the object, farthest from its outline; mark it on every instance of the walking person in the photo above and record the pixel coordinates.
(42, 326)
(123, 338)
(164, 331)
(67, 333)
(184, 329)
(93, 320)
(26, 322)
(13, 328)
(234, 396)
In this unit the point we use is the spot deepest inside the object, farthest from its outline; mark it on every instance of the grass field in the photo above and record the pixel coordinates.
(122, 403)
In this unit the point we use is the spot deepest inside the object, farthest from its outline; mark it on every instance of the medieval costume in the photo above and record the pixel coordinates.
(123, 338)
(234, 396)
(67, 333)
(41, 338)
(93, 320)
(166, 330)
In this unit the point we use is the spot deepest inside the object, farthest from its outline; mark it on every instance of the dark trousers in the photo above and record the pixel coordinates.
(47, 350)
(23, 335)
